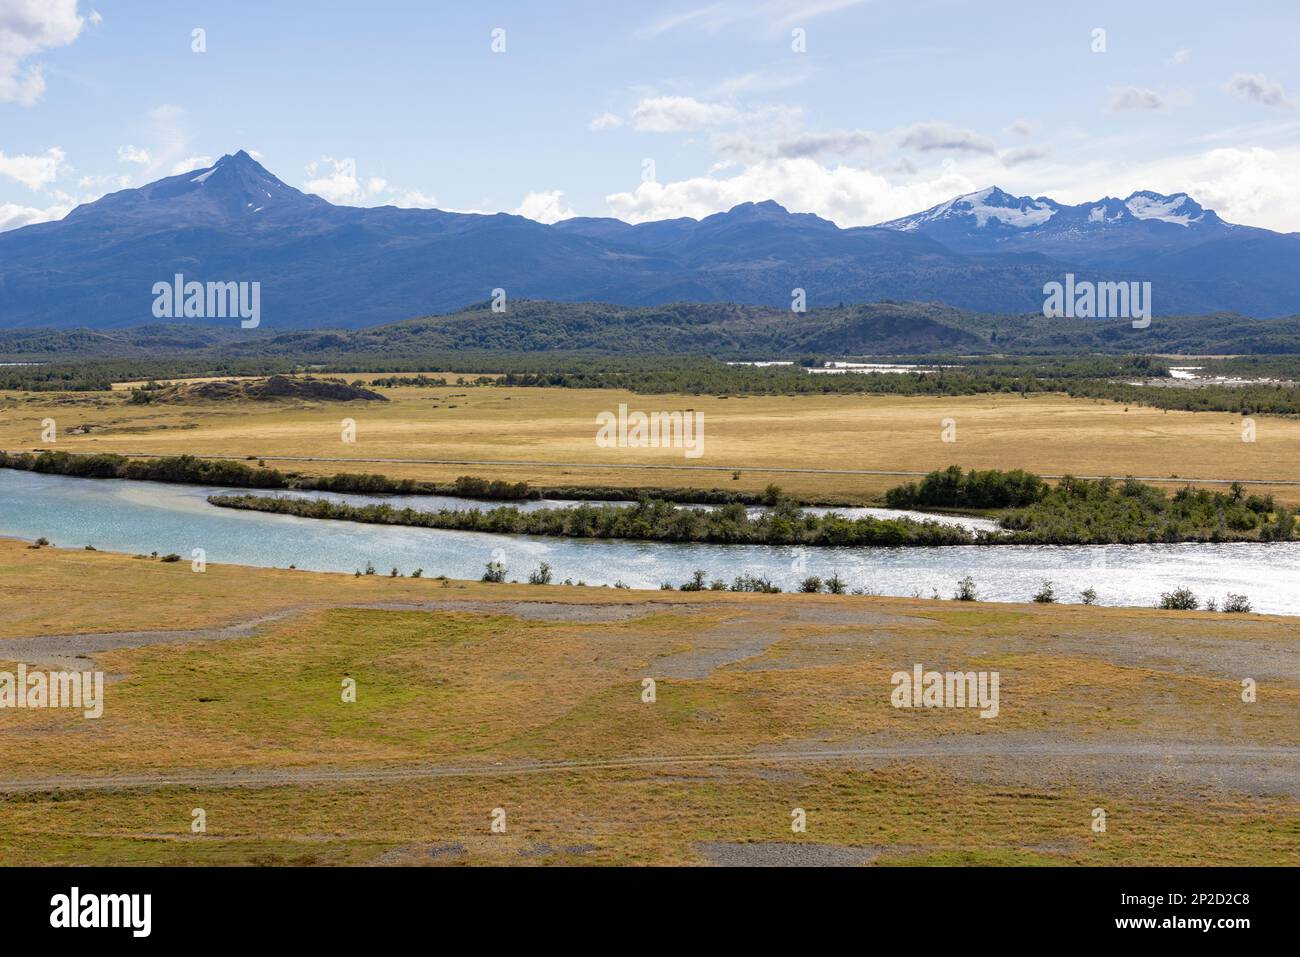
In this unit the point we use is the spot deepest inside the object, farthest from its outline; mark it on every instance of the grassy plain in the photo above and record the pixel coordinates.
(1047, 434)
(473, 696)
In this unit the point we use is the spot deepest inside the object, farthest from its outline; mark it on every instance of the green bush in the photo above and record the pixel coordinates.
(1180, 599)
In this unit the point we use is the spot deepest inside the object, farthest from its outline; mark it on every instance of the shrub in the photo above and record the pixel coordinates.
(951, 488)
(811, 584)
(835, 584)
(1180, 599)
(542, 576)
(1046, 594)
(172, 557)
(1236, 604)
(697, 581)
(1088, 596)
(754, 583)
(966, 590)
(417, 573)
(370, 568)
(494, 572)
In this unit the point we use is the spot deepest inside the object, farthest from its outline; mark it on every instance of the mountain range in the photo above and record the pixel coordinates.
(325, 266)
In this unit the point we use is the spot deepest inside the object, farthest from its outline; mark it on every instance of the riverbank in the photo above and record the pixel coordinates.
(196, 470)
(831, 449)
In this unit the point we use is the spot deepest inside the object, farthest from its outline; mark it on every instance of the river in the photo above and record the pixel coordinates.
(143, 517)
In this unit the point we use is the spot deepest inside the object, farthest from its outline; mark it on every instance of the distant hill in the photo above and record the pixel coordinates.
(326, 266)
(274, 387)
(722, 330)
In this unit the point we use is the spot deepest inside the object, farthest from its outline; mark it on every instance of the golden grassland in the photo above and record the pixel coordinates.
(1047, 434)
(491, 679)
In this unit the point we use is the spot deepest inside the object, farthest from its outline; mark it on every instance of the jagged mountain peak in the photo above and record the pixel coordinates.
(235, 185)
(993, 216)
(991, 206)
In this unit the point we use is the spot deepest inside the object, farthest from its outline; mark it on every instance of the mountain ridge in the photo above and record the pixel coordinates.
(341, 266)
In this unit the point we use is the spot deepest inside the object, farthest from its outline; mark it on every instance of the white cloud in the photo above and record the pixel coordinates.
(28, 27)
(1125, 98)
(1020, 127)
(848, 195)
(547, 207)
(606, 121)
(928, 137)
(1180, 57)
(680, 114)
(334, 180)
(1253, 186)
(34, 172)
(413, 199)
(14, 217)
(133, 154)
(191, 162)
(1258, 88)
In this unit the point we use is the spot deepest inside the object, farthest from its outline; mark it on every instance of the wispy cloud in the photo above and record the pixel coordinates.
(606, 121)
(749, 145)
(771, 14)
(1258, 88)
(681, 114)
(929, 137)
(1127, 98)
(1025, 154)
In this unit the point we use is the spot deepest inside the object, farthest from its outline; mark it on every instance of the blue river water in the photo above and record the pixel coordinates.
(143, 517)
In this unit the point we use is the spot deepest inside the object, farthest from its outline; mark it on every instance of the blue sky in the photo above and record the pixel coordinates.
(892, 105)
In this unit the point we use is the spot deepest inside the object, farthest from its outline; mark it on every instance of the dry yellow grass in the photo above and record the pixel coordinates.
(1044, 434)
(1136, 711)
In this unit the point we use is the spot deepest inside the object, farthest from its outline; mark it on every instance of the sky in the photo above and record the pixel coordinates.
(857, 110)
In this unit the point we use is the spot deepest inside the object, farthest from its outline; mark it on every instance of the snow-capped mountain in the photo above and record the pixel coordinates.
(321, 265)
(990, 208)
(993, 220)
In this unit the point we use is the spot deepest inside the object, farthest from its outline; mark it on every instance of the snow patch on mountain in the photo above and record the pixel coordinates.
(1098, 215)
(988, 204)
(1178, 208)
